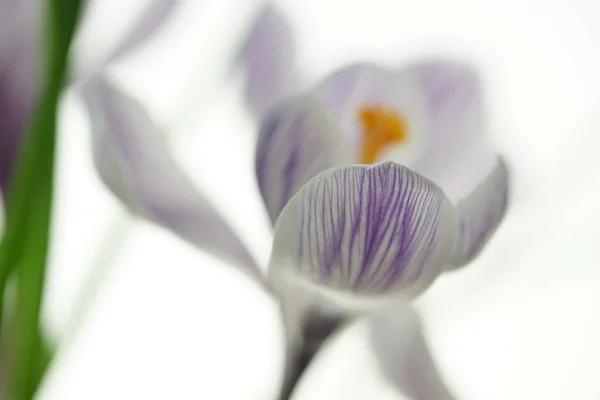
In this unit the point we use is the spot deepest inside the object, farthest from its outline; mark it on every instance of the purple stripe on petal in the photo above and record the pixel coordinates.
(135, 162)
(297, 140)
(403, 354)
(366, 229)
(268, 59)
(480, 213)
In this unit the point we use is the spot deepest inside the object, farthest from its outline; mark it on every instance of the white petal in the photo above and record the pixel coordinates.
(453, 95)
(398, 341)
(480, 213)
(135, 162)
(268, 58)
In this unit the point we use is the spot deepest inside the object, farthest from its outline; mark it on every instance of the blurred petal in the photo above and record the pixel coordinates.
(454, 110)
(350, 90)
(480, 213)
(297, 140)
(268, 60)
(18, 76)
(134, 161)
(398, 342)
(365, 230)
(454, 100)
(156, 14)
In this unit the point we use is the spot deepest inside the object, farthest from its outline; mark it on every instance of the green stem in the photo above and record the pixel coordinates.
(26, 240)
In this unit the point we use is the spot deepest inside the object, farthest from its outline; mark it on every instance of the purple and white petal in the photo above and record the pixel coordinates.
(397, 338)
(350, 89)
(364, 230)
(135, 162)
(480, 213)
(268, 59)
(297, 140)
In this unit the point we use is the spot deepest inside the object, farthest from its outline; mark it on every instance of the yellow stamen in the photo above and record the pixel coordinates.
(382, 128)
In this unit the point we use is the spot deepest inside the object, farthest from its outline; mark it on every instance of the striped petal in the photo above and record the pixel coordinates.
(480, 213)
(268, 58)
(134, 161)
(366, 230)
(297, 140)
(397, 338)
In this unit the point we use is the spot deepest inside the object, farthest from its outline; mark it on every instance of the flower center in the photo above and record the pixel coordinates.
(382, 128)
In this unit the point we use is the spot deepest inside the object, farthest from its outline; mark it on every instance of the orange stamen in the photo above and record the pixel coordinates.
(382, 128)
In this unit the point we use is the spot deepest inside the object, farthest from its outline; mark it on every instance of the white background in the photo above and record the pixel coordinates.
(169, 322)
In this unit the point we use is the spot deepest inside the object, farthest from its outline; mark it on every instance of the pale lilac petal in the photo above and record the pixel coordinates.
(453, 94)
(398, 341)
(366, 230)
(268, 60)
(155, 16)
(135, 162)
(19, 77)
(297, 140)
(455, 111)
(349, 89)
(480, 213)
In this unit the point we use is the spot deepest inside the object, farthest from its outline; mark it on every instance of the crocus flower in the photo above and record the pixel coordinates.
(431, 201)
(376, 180)
(20, 29)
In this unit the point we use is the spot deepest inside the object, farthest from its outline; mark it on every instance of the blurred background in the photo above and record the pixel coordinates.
(169, 322)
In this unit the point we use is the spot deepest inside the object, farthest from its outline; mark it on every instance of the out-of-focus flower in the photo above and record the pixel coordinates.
(20, 29)
(134, 160)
